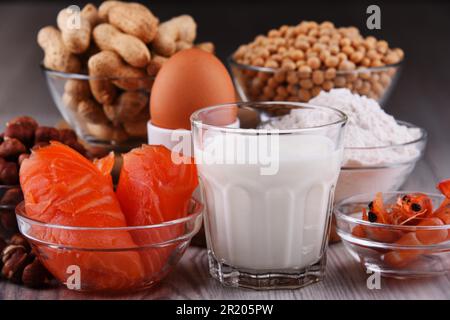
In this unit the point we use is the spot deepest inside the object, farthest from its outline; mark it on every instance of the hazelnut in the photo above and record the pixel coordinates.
(14, 261)
(11, 197)
(10, 174)
(19, 240)
(34, 274)
(11, 148)
(67, 136)
(24, 121)
(46, 134)
(22, 132)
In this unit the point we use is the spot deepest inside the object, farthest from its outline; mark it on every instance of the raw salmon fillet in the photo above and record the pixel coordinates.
(153, 189)
(62, 187)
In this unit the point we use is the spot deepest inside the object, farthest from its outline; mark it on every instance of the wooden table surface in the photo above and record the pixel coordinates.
(422, 96)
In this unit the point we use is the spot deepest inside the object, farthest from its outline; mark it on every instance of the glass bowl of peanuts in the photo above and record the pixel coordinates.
(409, 250)
(295, 63)
(118, 122)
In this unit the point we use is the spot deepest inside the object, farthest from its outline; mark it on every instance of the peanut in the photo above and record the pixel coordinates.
(90, 13)
(155, 65)
(109, 64)
(57, 56)
(136, 129)
(130, 48)
(90, 111)
(106, 132)
(206, 46)
(76, 38)
(134, 19)
(127, 107)
(182, 28)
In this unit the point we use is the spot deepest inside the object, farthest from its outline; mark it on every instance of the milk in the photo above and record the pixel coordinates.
(269, 222)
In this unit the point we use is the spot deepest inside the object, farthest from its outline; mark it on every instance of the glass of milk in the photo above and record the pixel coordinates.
(268, 192)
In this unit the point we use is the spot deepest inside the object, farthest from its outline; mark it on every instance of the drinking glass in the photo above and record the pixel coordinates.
(268, 191)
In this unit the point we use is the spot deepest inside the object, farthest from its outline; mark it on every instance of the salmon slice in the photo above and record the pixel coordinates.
(153, 189)
(62, 187)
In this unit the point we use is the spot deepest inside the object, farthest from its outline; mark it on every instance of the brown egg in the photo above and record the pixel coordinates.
(190, 80)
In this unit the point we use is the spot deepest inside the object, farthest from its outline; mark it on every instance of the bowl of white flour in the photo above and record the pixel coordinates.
(380, 152)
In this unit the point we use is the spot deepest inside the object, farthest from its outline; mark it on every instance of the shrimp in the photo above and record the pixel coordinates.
(414, 209)
(410, 207)
(402, 257)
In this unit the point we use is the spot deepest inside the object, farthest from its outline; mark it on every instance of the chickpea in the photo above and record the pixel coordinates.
(327, 25)
(268, 92)
(292, 77)
(372, 54)
(346, 66)
(288, 64)
(300, 63)
(272, 83)
(341, 56)
(314, 62)
(377, 88)
(304, 95)
(323, 55)
(305, 72)
(297, 55)
(292, 89)
(339, 81)
(334, 49)
(316, 90)
(357, 84)
(328, 85)
(332, 61)
(348, 50)
(399, 53)
(281, 92)
(259, 62)
(330, 73)
(345, 42)
(376, 63)
(280, 76)
(356, 56)
(274, 33)
(302, 44)
(365, 62)
(318, 77)
(385, 79)
(271, 64)
(306, 83)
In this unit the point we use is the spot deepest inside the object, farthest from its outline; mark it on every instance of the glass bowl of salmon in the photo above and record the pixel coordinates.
(111, 259)
(398, 234)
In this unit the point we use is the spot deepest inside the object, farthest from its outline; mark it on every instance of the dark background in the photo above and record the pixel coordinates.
(421, 28)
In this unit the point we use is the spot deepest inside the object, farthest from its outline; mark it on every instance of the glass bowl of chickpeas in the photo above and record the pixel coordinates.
(295, 63)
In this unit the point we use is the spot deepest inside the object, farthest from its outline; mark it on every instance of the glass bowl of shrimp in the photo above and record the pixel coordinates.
(398, 234)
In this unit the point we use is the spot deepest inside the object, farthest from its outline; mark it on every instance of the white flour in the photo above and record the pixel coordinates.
(368, 126)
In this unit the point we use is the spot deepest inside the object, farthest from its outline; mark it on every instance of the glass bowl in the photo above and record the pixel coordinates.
(262, 83)
(83, 259)
(399, 161)
(120, 123)
(395, 254)
(389, 176)
(10, 196)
